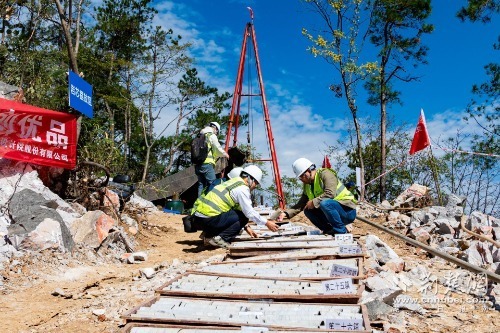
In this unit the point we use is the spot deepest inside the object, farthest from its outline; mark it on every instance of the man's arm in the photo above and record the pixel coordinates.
(217, 150)
(241, 195)
(298, 207)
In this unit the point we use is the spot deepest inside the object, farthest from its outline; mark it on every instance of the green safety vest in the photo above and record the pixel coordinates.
(219, 200)
(210, 156)
(342, 193)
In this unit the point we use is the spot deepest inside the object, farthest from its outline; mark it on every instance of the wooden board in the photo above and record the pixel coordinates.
(302, 317)
(317, 270)
(292, 255)
(284, 244)
(201, 284)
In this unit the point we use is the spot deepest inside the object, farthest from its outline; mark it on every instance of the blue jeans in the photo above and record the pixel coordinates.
(331, 216)
(206, 177)
(226, 225)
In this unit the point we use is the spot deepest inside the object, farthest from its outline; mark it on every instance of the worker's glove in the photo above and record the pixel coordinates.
(274, 215)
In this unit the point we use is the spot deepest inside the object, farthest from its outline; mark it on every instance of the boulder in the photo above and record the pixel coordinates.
(35, 224)
(92, 228)
(479, 254)
(421, 235)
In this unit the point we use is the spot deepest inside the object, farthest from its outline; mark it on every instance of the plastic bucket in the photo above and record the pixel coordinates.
(174, 206)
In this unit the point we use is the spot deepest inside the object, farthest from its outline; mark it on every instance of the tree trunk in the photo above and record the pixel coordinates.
(383, 146)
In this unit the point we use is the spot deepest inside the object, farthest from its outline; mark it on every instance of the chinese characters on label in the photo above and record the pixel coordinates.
(350, 249)
(81, 95)
(344, 238)
(338, 286)
(340, 270)
(352, 324)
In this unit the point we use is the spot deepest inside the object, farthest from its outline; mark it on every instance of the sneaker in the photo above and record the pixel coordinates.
(218, 242)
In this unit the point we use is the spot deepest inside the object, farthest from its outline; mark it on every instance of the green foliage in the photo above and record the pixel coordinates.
(479, 10)
(99, 147)
(292, 189)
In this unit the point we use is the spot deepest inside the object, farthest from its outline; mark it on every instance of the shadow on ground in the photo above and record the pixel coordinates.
(199, 246)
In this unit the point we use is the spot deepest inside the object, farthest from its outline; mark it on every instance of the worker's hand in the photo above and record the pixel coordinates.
(252, 233)
(281, 217)
(271, 225)
(309, 205)
(226, 155)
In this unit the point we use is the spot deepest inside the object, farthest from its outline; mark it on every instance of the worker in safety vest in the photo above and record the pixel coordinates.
(227, 208)
(326, 202)
(206, 171)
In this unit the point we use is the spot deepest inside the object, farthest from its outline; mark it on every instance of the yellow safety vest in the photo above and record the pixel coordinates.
(341, 193)
(219, 200)
(210, 156)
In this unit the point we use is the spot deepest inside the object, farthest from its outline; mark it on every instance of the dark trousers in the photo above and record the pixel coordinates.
(226, 225)
(331, 217)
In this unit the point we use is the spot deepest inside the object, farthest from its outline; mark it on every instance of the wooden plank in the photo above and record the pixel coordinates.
(283, 316)
(317, 270)
(283, 289)
(290, 254)
(168, 186)
(138, 327)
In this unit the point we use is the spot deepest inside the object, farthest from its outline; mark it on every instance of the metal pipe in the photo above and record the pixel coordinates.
(473, 268)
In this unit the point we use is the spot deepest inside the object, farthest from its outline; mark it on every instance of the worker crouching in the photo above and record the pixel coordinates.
(227, 208)
(326, 202)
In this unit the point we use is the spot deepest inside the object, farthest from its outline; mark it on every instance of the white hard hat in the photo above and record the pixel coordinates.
(301, 165)
(234, 172)
(216, 124)
(254, 172)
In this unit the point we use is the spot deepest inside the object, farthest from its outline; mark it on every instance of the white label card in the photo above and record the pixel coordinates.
(350, 249)
(338, 286)
(344, 238)
(340, 270)
(353, 324)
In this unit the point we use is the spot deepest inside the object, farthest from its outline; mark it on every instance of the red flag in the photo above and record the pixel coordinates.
(326, 163)
(421, 138)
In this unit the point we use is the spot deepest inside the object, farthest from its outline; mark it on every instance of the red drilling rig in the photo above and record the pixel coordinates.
(232, 127)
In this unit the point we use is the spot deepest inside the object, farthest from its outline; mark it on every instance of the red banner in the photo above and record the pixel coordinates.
(35, 135)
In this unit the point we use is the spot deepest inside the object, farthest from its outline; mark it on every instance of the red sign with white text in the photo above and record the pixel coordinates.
(35, 135)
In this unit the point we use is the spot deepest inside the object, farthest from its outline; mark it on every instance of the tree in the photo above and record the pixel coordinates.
(121, 30)
(396, 30)
(164, 59)
(340, 45)
(472, 176)
(484, 109)
(197, 103)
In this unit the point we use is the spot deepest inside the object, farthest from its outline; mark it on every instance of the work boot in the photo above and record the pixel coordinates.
(329, 232)
(218, 242)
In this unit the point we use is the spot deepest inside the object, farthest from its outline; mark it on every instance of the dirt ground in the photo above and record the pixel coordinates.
(90, 283)
(94, 291)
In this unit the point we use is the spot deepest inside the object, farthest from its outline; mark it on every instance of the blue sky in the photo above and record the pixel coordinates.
(305, 116)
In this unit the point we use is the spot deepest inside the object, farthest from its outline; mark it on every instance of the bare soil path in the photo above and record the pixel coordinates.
(90, 285)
